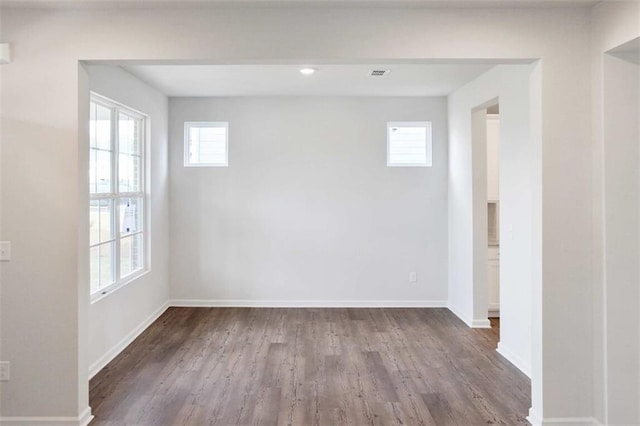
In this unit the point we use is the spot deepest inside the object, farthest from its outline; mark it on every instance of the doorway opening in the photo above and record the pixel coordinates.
(499, 112)
(493, 213)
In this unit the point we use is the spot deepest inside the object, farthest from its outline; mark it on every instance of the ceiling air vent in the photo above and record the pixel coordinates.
(379, 73)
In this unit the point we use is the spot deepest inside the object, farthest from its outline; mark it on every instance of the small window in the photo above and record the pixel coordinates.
(409, 144)
(206, 144)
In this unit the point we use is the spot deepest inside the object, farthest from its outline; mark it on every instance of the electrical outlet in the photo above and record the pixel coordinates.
(413, 277)
(5, 371)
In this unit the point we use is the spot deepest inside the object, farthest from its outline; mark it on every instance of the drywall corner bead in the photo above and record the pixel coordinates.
(5, 53)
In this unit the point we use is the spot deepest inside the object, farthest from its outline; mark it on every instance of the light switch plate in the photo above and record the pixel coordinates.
(5, 250)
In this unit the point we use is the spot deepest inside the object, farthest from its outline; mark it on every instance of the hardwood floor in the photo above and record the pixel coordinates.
(243, 366)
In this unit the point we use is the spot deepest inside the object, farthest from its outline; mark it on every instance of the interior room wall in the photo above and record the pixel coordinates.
(613, 192)
(480, 292)
(41, 136)
(493, 161)
(117, 318)
(468, 210)
(622, 282)
(493, 194)
(308, 213)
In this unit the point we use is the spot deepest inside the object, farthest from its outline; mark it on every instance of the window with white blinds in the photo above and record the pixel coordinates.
(409, 144)
(206, 144)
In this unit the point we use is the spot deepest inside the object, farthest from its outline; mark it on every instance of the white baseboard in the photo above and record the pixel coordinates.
(82, 420)
(534, 418)
(86, 417)
(494, 310)
(457, 312)
(559, 421)
(473, 323)
(514, 359)
(250, 303)
(537, 420)
(480, 323)
(126, 341)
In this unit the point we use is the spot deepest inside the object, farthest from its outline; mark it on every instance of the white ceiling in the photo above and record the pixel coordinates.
(328, 80)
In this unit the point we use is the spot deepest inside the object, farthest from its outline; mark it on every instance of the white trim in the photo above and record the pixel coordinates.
(97, 296)
(457, 312)
(82, 420)
(86, 417)
(473, 323)
(238, 303)
(110, 103)
(480, 323)
(534, 418)
(514, 359)
(494, 309)
(126, 341)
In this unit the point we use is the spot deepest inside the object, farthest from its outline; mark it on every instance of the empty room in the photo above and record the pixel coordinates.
(319, 212)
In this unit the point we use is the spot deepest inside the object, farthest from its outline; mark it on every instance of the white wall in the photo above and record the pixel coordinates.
(622, 283)
(493, 194)
(307, 209)
(40, 141)
(615, 216)
(468, 210)
(113, 318)
(493, 159)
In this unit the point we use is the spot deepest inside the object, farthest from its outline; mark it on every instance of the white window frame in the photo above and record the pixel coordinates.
(188, 125)
(115, 195)
(429, 148)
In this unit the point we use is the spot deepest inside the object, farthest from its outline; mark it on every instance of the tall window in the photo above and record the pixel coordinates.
(117, 190)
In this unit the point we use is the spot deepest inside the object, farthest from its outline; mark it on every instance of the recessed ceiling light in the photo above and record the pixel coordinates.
(307, 71)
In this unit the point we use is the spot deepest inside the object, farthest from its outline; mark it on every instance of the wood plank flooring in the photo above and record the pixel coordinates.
(249, 366)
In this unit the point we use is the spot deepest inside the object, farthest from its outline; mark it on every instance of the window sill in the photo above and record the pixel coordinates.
(114, 287)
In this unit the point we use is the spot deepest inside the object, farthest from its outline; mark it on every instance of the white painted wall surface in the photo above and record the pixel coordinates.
(493, 164)
(480, 299)
(622, 282)
(114, 317)
(468, 211)
(307, 209)
(493, 194)
(614, 192)
(493, 278)
(40, 140)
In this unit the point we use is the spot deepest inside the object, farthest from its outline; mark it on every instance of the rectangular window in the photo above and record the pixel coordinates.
(206, 144)
(409, 144)
(117, 244)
